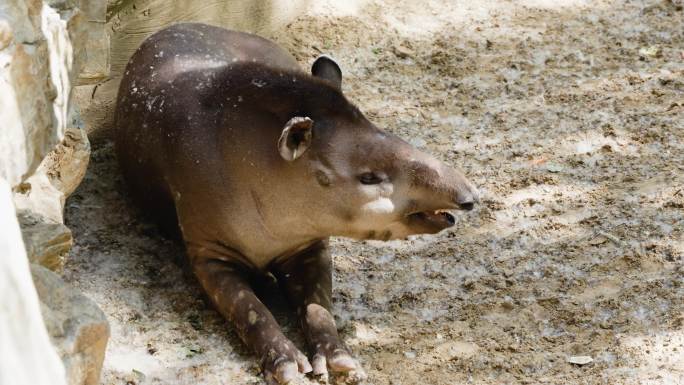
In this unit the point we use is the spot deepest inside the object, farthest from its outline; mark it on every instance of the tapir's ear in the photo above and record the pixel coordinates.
(325, 67)
(295, 138)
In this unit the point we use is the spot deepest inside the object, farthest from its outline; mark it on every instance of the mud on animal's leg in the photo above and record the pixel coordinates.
(307, 279)
(229, 290)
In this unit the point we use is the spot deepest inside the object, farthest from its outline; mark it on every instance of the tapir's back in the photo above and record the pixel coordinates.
(192, 46)
(150, 109)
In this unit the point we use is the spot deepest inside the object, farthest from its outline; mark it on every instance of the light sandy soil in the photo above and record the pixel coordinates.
(571, 121)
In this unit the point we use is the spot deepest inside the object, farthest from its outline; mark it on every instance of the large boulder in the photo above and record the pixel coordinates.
(26, 355)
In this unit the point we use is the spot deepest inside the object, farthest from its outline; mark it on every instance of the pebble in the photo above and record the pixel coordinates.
(580, 360)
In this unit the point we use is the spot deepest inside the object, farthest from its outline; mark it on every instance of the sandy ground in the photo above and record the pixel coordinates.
(569, 118)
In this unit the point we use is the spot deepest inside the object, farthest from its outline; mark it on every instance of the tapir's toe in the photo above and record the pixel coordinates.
(303, 363)
(340, 363)
(281, 369)
(286, 371)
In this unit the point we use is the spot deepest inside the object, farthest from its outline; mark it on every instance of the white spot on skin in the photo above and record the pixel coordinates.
(252, 317)
(258, 83)
(382, 205)
(241, 294)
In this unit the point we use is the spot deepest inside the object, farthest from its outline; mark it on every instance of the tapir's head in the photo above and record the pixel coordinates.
(364, 183)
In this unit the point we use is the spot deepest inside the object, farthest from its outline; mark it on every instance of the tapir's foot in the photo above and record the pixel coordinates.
(330, 353)
(283, 362)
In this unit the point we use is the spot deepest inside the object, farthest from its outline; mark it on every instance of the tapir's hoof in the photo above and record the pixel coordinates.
(339, 362)
(283, 367)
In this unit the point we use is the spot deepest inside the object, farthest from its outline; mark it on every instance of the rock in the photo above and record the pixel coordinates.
(402, 52)
(61, 171)
(25, 106)
(451, 350)
(41, 51)
(47, 243)
(653, 51)
(580, 360)
(78, 328)
(40, 197)
(66, 165)
(5, 34)
(96, 62)
(26, 355)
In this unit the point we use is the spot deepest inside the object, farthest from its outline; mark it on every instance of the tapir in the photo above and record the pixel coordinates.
(254, 163)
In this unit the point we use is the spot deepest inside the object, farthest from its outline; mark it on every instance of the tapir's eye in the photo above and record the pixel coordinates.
(370, 178)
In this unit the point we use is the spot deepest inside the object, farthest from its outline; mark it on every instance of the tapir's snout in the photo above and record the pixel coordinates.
(438, 189)
(466, 194)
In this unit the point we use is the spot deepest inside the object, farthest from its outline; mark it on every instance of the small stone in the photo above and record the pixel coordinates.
(652, 51)
(580, 360)
(554, 167)
(402, 52)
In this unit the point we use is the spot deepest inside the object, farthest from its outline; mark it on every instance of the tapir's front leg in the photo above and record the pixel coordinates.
(232, 295)
(307, 278)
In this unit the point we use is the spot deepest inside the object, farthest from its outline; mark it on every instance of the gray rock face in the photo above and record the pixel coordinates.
(25, 104)
(44, 153)
(78, 328)
(41, 49)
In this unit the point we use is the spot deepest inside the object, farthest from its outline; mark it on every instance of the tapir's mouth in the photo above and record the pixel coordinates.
(431, 221)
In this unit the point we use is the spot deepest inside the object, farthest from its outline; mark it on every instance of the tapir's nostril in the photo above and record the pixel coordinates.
(466, 206)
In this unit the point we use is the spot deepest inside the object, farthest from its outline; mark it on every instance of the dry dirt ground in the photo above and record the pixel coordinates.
(569, 116)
